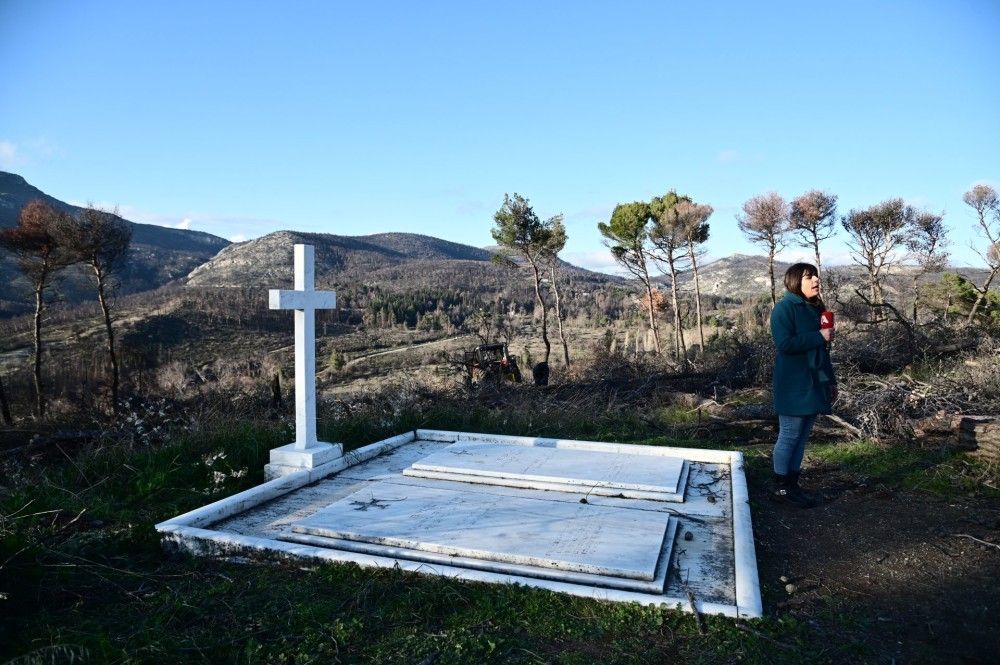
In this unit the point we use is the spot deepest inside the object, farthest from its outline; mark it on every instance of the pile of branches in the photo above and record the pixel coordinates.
(879, 338)
(899, 406)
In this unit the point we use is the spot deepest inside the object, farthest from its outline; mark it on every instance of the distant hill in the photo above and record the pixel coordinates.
(389, 259)
(742, 276)
(392, 261)
(158, 254)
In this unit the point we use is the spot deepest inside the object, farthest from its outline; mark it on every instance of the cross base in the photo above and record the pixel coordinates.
(289, 459)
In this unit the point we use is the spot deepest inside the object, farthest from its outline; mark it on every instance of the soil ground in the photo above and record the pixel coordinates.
(900, 563)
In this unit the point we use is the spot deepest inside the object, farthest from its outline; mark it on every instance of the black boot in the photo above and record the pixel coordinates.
(787, 491)
(794, 480)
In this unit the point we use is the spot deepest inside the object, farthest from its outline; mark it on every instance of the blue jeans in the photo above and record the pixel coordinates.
(793, 432)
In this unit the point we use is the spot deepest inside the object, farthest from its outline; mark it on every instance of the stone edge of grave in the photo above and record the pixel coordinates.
(553, 574)
(184, 532)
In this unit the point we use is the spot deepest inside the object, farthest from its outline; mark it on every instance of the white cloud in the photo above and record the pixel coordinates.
(598, 261)
(8, 154)
(239, 237)
(728, 156)
(18, 154)
(42, 147)
(184, 224)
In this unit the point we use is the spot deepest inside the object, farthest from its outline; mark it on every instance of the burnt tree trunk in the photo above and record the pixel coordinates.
(770, 274)
(545, 312)
(815, 244)
(652, 315)
(112, 356)
(559, 316)
(697, 295)
(5, 406)
(37, 364)
(680, 349)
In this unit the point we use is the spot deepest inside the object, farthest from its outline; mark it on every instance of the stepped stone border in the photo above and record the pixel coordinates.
(188, 532)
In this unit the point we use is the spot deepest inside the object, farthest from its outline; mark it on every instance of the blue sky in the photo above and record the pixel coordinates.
(241, 118)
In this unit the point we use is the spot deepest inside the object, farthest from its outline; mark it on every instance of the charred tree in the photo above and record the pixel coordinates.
(40, 256)
(100, 239)
(984, 200)
(875, 233)
(765, 221)
(926, 245)
(813, 218)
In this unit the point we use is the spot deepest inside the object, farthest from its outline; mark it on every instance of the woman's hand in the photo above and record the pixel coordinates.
(827, 334)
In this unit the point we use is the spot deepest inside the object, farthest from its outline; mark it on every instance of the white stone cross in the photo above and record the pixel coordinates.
(306, 452)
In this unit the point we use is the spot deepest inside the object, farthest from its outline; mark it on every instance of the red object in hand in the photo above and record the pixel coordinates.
(826, 320)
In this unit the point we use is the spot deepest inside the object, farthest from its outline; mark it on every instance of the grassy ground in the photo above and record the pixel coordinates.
(83, 579)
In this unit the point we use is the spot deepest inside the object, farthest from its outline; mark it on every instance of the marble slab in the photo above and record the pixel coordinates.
(588, 491)
(576, 537)
(559, 468)
(656, 585)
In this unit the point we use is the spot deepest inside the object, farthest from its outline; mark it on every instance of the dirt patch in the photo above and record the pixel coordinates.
(900, 567)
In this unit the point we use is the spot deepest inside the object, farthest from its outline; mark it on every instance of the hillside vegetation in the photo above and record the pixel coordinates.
(897, 563)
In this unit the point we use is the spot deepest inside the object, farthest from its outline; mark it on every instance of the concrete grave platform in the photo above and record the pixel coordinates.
(598, 472)
(551, 530)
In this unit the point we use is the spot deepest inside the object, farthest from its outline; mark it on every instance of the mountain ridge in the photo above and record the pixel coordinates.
(157, 256)
(161, 255)
(267, 260)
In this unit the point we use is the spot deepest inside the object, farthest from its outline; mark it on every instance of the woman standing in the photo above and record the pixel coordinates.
(804, 384)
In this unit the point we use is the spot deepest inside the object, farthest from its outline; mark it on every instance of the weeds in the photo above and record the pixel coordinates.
(82, 575)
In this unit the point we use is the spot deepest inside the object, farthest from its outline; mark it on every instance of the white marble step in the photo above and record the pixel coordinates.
(611, 470)
(553, 486)
(577, 537)
(656, 585)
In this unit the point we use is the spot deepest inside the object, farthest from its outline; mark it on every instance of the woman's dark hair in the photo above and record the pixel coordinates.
(793, 281)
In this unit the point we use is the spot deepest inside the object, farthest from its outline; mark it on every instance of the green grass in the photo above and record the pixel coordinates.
(83, 575)
(943, 471)
(193, 610)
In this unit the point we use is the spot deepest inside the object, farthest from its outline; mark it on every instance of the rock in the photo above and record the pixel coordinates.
(791, 588)
(784, 579)
(688, 535)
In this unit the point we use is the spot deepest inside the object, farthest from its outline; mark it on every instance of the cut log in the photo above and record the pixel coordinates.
(942, 427)
(980, 434)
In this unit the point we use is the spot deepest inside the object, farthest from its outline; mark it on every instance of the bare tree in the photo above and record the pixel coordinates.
(669, 236)
(813, 218)
(518, 228)
(695, 219)
(926, 243)
(100, 240)
(765, 221)
(984, 200)
(557, 240)
(876, 233)
(626, 234)
(35, 244)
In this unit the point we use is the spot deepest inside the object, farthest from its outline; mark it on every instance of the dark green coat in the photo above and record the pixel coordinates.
(803, 375)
